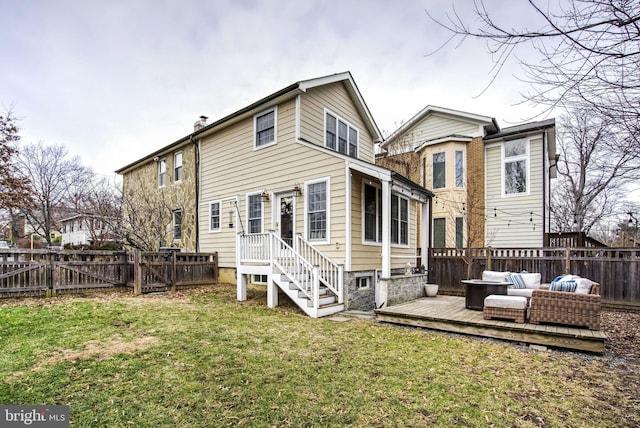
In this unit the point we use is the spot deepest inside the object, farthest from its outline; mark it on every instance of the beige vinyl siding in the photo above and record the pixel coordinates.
(232, 169)
(511, 227)
(369, 256)
(335, 98)
(435, 126)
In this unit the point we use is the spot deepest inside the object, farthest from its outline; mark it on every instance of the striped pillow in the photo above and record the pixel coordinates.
(562, 283)
(517, 281)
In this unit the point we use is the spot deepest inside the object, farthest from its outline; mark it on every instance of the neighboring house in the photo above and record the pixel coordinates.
(82, 229)
(159, 196)
(491, 185)
(288, 194)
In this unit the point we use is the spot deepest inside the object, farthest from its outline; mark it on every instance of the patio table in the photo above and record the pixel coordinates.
(477, 289)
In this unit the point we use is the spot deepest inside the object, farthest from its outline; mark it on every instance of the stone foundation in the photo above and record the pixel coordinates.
(402, 288)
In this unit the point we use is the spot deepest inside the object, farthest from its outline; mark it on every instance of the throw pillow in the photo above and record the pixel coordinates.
(564, 283)
(584, 286)
(517, 281)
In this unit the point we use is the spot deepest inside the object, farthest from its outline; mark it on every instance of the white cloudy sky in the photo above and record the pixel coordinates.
(113, 80)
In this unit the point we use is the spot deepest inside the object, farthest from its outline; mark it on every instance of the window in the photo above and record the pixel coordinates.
(214, 217)
(260, 279)
(255, 213)
(177, 167)
(372, 212)
(515, 167)
(439, 233)
(459, 169)
(439, 170)
(363, 282)
(340, 136)
(177, 224)
(162, 172)
(265, 128)
(317, 210)
(459, 232)
(399, 220)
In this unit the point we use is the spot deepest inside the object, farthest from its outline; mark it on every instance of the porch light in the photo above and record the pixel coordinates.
(264, 195)
(230, 219)
(297, 189)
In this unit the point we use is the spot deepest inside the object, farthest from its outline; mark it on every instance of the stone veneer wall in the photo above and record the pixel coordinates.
(400, 289)
(405, 288)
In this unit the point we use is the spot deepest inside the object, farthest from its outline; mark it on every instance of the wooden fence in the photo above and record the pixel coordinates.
(44, 272)
(616, 269)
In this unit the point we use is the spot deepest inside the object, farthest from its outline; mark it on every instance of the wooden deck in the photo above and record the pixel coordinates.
(448, 313)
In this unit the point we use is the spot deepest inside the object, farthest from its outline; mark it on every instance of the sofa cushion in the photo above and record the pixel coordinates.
(506, 302)
(522, 292)
(531, 280)
(490, 275)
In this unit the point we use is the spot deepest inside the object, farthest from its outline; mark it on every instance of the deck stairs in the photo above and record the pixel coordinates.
(308, 277)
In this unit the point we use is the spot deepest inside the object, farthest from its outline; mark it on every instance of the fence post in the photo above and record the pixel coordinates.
(174, 271)
(137, 273)
(489, 257)
(50, 271)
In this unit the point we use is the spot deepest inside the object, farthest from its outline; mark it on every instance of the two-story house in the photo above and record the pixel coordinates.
(288, 193)
(491, 186)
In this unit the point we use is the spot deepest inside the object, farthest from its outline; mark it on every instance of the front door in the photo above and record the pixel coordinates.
(285, 218)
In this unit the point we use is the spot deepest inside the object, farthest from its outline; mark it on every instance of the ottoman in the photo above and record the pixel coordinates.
(509, 307)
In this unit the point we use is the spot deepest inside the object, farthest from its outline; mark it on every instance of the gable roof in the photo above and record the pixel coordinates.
(489, 123)
(275, 98)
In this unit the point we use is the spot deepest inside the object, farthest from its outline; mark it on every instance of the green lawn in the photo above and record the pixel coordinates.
(201, 359)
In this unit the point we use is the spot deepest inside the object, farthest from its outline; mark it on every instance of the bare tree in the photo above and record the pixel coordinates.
(15, 188)
(54, 177)
(100, 209)
(588, 54)
(595, 164)
(147, 216)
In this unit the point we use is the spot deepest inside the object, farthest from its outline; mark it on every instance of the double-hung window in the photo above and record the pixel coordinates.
(214, 217)
(317, 210)
(265, 125)
(177, 224)
(439, 171)
(255, 213)
(399, 220)
(459, 168)
(162, 172)
(515, 167)
(177, 167)
(340, 135)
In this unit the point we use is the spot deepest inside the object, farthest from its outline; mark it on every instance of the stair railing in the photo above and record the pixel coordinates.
(303, 274)
(331, 273)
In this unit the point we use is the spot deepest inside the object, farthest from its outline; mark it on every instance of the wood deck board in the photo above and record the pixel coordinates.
(448, 313)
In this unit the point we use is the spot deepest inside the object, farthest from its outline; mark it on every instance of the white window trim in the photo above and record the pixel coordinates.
(275, 128)
(399, 244)
(219, 229)
(378, 201)
(162, 161)
(175, 167)
(261, 212)
(173, 221)
(379, 232)
(327, 239)
(455, 172)
(349, 125)
(433, 184)
(527, 158)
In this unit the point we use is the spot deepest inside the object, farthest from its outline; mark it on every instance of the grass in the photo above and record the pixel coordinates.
(201, 359)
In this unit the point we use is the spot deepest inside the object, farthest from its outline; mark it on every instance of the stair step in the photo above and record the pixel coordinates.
(325, 300)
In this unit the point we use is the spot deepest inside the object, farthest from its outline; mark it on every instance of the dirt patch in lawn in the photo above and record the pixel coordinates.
(103, 349)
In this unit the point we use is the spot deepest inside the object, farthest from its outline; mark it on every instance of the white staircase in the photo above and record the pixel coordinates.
(304, 274)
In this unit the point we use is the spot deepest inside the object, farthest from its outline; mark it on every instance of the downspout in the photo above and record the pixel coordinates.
(546, 179)
(196, 146)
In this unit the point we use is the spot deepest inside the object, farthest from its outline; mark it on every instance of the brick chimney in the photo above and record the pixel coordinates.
(200, 123)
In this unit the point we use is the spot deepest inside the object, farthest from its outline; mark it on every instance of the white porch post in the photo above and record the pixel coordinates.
(386, 229)
(425, 232)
